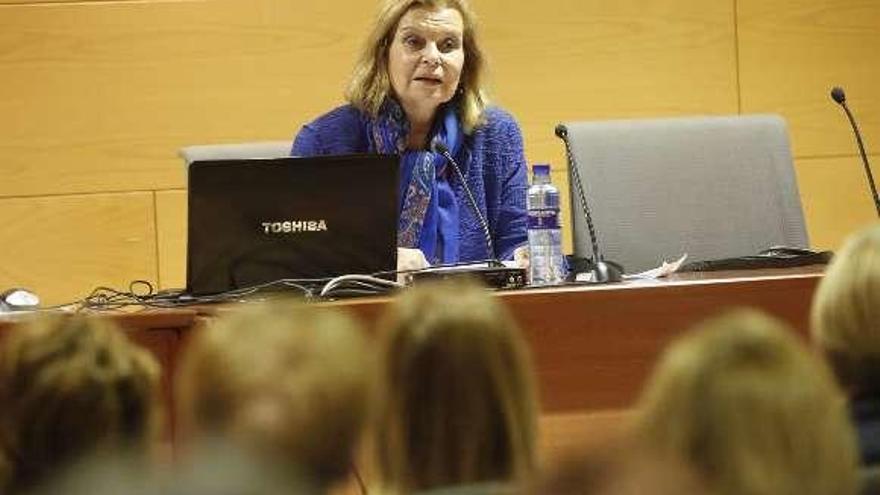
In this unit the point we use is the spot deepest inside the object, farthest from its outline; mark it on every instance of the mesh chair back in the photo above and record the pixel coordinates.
(711, 187)
(257, 149)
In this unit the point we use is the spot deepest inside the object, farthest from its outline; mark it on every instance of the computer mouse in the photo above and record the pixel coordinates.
(18, 299)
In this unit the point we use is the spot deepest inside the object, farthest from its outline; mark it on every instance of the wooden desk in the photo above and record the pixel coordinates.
(593, 347)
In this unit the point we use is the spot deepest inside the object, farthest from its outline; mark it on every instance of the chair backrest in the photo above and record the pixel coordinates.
(711, 187)
(257, 149)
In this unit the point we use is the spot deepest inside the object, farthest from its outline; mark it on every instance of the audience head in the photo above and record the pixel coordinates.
(221, 470)
(283, 380)
(371, 83)
(457, 396)
(846, 313)
(620, 468)
(752, 410)
(72, 386)
(105, 474)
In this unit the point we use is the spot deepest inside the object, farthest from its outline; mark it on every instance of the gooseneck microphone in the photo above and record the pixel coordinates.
(600, 270)
(838, 95)
(438, 146)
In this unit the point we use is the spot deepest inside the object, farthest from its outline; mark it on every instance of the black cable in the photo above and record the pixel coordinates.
(358, 287)
(488, 262)
(574, 172)
(142, 293)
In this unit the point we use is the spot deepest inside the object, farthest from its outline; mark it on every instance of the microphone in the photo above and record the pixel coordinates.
(601, 271)
(839, 96)
(438, 146)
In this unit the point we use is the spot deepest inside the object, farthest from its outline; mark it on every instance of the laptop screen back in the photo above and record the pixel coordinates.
(253, 221)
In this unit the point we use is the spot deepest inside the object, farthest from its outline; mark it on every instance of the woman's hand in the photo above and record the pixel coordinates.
(409, 259)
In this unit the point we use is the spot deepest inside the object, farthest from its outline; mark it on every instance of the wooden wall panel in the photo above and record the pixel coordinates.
(793, 51)
(836, 198)
(594, 59)
(591, 59)
(98, 96)
(171, 225)
(61, 247)
(37, 2)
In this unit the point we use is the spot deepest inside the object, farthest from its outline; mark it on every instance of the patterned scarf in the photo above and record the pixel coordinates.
(420, 171)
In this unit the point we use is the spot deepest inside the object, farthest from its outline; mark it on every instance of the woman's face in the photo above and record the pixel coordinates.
(426, 58)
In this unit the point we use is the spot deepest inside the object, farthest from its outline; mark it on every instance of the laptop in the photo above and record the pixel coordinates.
(255, 221)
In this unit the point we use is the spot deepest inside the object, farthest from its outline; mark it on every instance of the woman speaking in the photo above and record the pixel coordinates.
(417, 83)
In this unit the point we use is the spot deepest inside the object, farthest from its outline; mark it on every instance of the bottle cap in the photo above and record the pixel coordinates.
(541, 169)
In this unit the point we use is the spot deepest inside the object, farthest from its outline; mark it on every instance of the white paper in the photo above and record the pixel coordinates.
(661, 271)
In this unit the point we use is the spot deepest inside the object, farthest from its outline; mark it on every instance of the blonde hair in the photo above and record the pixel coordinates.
(752, 410)
(70, 386)
(370, 84)
(846, 311)
(286, 380)
(457, 397)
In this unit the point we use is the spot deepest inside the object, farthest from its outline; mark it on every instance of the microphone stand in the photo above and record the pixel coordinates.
(838, 95)
(438, 146)
(601, 271)
(495, 274)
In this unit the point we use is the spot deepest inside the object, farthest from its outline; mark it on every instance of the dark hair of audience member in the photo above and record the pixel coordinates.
(72, 386)
(457, 402)
(287, 382)
(746, 404)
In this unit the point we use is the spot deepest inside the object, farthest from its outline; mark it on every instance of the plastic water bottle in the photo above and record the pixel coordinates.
(546, 265)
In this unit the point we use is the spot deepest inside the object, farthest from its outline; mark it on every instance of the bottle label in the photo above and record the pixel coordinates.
(542, 219)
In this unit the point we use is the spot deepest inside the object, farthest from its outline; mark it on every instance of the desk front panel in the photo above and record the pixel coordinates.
(593, 347)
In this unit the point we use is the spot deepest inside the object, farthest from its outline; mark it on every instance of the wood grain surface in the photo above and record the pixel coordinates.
(96, 97)
(836, 198)
(792, 52)
(100, 96)
(171, 226)
(62, 247)
(592, 59)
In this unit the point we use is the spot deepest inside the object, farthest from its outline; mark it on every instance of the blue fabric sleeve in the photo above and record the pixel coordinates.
(306, 143)
(337, 132)
(510, 216)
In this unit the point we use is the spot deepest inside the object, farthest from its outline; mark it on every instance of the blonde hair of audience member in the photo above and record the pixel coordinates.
(71, 386)
(619, 468)
(286, 381)
(846, 313)
(457, 396)
(371, 84)
(755, 413)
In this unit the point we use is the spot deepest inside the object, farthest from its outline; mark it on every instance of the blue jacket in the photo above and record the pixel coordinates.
(494, 168)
